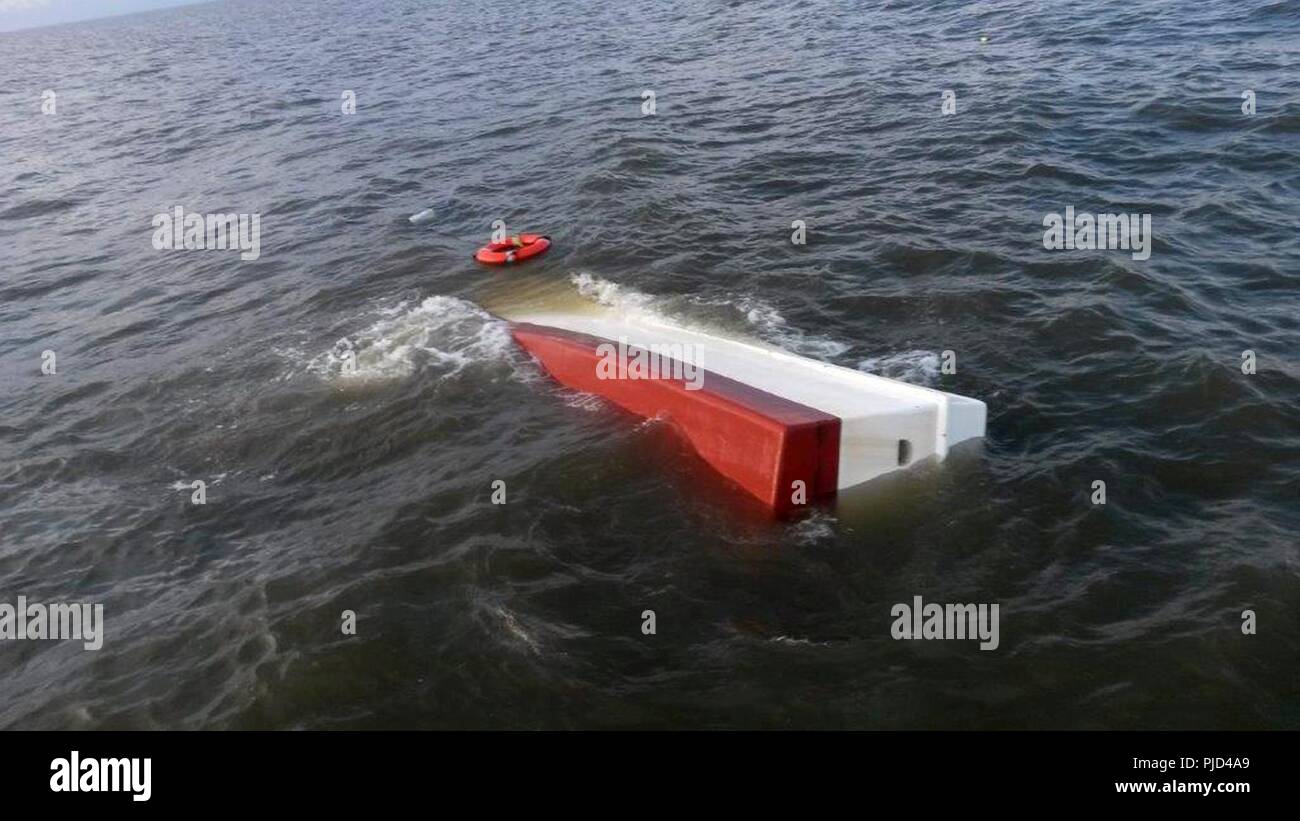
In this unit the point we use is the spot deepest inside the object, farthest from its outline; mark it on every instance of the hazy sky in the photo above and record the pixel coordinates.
(21, 14)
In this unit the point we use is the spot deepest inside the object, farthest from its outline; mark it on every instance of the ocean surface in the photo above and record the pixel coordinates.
(331, 491)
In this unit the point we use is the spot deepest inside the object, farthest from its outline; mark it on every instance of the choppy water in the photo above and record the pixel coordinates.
(371, 492)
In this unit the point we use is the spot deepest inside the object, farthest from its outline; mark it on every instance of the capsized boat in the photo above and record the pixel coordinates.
(790, 430)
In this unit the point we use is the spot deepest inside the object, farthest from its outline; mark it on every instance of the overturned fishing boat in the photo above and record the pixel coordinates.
(789, 430)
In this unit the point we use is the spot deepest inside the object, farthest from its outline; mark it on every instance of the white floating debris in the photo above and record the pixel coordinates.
(423, 216)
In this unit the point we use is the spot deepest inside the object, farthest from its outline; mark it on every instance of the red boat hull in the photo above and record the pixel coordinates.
(766, 444)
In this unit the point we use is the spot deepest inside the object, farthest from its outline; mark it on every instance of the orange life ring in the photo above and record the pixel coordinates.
(515, 249)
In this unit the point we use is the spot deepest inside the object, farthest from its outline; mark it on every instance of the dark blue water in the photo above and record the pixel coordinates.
(329, 491)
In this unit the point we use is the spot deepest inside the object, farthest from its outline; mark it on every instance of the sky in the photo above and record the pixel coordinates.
(21, 14)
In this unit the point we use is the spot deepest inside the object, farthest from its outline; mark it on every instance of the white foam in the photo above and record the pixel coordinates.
(772, 327)
(760, 314)
(818, 526)
(514, 629)
(761, 317)
(441, 332)
(612, 294)
(584, 401)
(917, 367)
(801, 642)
